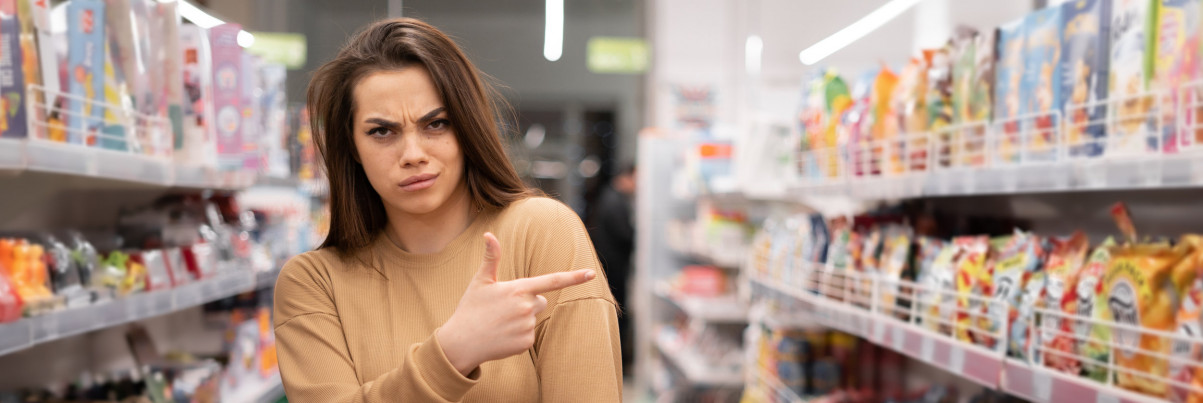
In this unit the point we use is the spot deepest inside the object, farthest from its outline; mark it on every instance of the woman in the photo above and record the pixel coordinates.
(443, 278)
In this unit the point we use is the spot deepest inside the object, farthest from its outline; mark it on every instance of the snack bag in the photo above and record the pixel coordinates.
(1084, 64)
(909, 103)
(884, 115)
(938, 307)
(1176, 63)
(894, 259)
(973, 278)
(981, 97)
(1024, 330)
(1018, 258)
(1190, 325)
(1139, 293)
(1133, 123)
(1092, 304)
(963, 53)
(939, 101)
(1039, 89)
(1065, 260)
(871, 252)
(1008, 75)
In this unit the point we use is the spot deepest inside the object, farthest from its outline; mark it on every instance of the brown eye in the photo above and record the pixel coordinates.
(439, 124)
(378, 132)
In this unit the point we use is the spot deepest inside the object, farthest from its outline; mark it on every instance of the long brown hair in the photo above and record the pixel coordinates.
(356, 211)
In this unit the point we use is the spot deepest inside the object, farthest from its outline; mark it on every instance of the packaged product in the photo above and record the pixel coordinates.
(1084, 65)
(10, 301)
(1025, 327)
(64, 273)
(85, 69)
(823, 375)
(1017, 261)
(1189, 351)
(857, 120)
(1040, 89)
(167, 54)
(1008, 93)
(981, 97)
(973, 279)
(894, 259)
(939, 101)
(871, 252)
(928, 250)
(939, 287)
(227, 94)
(1092, 304)
(1133, 129)
(788, 355)
(1066, 258)
(909, 102)
(885, 117)
(158, 275)
(963, 52)
(14, 68)
(1176, 63)
(1140, 293)
(198, 145)
(820, 237)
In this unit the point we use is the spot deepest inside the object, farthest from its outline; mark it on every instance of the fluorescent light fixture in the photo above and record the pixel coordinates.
(844, 37)
(553, 30)
(199, 17)
(245, 39)
(753, 49)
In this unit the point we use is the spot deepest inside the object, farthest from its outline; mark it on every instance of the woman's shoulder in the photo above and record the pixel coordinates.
(537, 211)
(318, 266)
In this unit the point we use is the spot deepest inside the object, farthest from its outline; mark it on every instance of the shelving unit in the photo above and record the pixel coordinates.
(725, 309)
(696, 370)
(28, 332)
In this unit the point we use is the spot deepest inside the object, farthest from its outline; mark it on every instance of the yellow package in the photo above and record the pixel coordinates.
(1140, 293)
(973, 278)
(1190, 325)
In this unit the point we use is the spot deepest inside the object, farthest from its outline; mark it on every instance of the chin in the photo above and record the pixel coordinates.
(418, 205)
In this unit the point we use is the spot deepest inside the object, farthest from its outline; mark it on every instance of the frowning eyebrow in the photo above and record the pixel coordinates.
(396, 126)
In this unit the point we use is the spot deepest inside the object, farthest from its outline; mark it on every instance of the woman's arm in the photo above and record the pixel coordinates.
(577, 351)
(316, 366)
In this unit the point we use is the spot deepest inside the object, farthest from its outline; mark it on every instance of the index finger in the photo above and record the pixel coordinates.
(554, 281)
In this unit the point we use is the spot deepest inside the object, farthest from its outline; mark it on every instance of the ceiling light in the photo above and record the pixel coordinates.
(854, 32)
(553, 30)
(753, 50)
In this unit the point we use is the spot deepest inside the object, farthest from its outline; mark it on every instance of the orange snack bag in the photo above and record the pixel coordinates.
(1065, 262)
(1140, 293)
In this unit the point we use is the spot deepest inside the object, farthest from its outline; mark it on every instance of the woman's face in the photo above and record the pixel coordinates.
(406, 142)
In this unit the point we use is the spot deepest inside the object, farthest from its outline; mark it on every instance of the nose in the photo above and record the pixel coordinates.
(413, 154)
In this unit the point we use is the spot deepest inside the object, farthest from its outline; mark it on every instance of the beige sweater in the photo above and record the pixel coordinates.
(361, 329)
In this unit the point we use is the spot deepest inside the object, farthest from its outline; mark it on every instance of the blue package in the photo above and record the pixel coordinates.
(1084, 73)
(1039, 90)
(85, 69)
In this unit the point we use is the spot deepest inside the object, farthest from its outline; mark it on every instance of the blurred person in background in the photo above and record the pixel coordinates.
(613, 232)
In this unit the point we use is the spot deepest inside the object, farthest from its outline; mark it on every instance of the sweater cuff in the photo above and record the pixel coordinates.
(438, 372)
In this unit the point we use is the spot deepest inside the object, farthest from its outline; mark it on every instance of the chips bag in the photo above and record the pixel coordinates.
(895, 257)
(1092, 304)
(1188, 351)
(1140, 293)
(939, 286)
(1065, 260)
(1024, 330)
(1018, 258)
(973, 278)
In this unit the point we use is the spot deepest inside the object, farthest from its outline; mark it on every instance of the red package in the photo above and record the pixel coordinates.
(706, 281)
(10, 302)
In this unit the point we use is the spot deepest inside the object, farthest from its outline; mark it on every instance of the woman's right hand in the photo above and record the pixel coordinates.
(496, 319)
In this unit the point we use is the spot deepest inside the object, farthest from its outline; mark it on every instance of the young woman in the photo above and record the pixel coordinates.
(443, 278)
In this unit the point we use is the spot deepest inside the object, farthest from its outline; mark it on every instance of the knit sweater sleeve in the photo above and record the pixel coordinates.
(577, 352)
(314, 360)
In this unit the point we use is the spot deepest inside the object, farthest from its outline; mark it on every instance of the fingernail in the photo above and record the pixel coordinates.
(589, 275)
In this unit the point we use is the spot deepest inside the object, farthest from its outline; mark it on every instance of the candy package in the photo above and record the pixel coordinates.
(1176, 64)
(1133, 121)
(939, 102)
(973, 279)
(1139, 293)
(1066, 259)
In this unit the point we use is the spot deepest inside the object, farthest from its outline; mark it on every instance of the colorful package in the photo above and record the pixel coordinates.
(885, 117)
(973, 278)
(1039, 89)
(1018, 259)
(895, 257)
(168, 55)
(1025, 327)
(1092, 304)
(964, 58)
(1139, 293)
(939, 102)
(85, 69)
(1065, 261)
(1176, 62)
(1190, 326)
(981, 96)
(939, 284)
(1085, 62)
(856, 122)
(1133, 128)
(227, 94)
(15, 70)
(910, 106)
(1008, 95)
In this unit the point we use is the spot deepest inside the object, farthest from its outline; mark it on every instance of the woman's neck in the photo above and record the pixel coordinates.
(432, 232)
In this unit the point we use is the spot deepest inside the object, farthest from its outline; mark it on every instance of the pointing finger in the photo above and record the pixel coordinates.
(555, 281)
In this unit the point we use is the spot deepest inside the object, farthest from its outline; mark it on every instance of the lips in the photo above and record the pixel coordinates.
(418, 182)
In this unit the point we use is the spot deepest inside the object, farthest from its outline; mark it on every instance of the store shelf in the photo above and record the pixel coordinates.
(267, 390)
(28, 332)
(835, 301)
(266, 279)
(696, 370)
(724, 309)
(771, 384)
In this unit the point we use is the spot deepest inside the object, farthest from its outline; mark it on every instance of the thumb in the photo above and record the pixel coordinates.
(488, 268)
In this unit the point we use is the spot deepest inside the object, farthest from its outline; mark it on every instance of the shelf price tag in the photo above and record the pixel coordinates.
(927, 349)
(899, 335)
(1106, 398)
(1042, 386)
(879, 331)
(956, 359)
